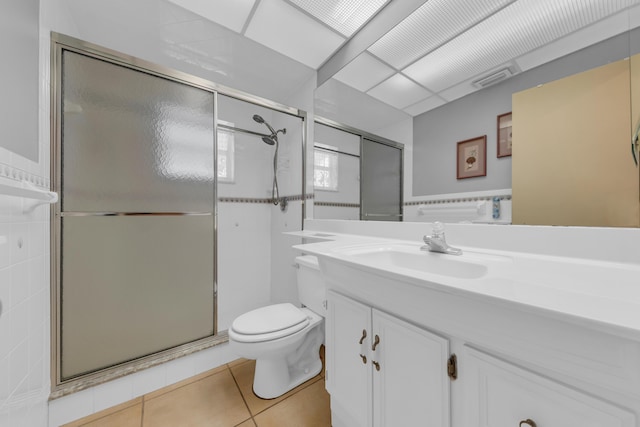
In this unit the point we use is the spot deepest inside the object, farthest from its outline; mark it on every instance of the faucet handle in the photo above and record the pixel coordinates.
(438, 228)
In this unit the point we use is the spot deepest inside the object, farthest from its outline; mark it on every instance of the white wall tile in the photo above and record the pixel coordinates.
(18, 365)
(5, 336)
(19, 283)
(149, 380)
(112, 393)
(19, 324)
(19, 242)
(4, 379)
(212, 357)
(70, 408)
(36, 267)
(5, 291)
(35, 377)
(179, 369)
(36, 239)
(5, 249)
(37, 351)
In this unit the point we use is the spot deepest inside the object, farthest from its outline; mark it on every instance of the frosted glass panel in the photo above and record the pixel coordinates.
(381, 190)
(133, 142)
(133, 286)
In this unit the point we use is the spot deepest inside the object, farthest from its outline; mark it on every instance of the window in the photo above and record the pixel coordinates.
(225, 156)
(325, 168)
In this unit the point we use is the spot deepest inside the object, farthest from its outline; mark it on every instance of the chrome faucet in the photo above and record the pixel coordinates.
(437, 243)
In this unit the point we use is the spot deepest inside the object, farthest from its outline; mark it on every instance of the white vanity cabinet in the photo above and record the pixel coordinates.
(383, 371)
(537, 342)
(500, 394)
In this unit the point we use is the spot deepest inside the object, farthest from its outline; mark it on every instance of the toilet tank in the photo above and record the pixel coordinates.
(311, 288)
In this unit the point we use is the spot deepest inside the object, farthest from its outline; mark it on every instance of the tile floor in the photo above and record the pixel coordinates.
(222, 397)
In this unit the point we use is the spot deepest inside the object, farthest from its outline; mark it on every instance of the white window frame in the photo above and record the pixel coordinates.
(330, 168)
(226, 146)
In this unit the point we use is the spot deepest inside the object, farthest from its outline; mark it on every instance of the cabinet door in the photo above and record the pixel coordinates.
(500, 394)
(348, 375)
(411, 388)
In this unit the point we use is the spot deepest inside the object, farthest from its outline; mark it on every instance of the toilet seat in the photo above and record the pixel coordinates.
(268, 323)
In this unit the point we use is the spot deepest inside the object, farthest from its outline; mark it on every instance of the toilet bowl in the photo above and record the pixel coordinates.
(284, 339)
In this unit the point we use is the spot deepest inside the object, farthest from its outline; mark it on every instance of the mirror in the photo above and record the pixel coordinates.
(356, 175)
(430, 155)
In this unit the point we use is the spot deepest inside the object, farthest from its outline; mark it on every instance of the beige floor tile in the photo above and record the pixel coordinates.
(307, 408)
(248, 423)
(127, 414)
(238, 362)
(214, 401)
(184, 382)
(244, 377)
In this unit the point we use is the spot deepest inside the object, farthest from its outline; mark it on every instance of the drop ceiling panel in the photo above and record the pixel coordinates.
(399, 92)
(287, 30)
(458, 91)
(580, 39)
(517, 29)
(336, 101)
(425, 105)
(364, 72)
(191, 31)
(344, 16)
(430, 26)
(231, 14)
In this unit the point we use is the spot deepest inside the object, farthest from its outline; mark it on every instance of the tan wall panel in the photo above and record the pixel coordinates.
(571, 158)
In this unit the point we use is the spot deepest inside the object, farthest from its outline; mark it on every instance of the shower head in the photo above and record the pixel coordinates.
(259, 119)
(273, 138)
(269, 139)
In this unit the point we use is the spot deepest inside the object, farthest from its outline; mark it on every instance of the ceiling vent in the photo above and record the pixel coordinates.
(493, 78)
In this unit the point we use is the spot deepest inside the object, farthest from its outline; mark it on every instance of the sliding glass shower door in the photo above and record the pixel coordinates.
(381, 181)
(135, 229)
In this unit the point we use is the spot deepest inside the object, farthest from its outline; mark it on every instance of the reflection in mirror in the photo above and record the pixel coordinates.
(466, 92)
(336, 183)
(341, 156)
(381, 187)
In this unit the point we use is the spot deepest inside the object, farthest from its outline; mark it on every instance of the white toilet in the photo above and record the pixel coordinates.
(283, 339)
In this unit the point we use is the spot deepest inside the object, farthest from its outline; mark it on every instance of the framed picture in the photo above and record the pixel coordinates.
(472, 157)
(504, 135)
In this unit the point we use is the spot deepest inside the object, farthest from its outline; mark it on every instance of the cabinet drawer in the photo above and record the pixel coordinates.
(499, 394)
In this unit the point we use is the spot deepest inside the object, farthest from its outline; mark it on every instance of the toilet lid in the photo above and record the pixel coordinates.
(285, 318)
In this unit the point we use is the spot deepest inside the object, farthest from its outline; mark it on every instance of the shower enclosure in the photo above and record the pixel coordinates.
(138, 154)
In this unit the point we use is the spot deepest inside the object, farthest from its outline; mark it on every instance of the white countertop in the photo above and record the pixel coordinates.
(601, 294)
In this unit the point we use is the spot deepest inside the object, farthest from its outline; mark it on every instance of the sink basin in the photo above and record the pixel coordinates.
(412, 258)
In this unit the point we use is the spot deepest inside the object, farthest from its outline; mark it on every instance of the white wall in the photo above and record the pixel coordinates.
(24, 265)
(283, 273)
